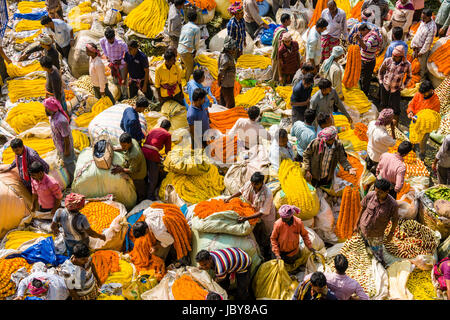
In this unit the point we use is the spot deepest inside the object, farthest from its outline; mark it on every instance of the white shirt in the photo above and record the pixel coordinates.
(379, 141)
(61, 33)
(153, 218)
(57, 289)
(248, 131)
(313, 46)
(424, 36)
(97, 73)
(337, 25)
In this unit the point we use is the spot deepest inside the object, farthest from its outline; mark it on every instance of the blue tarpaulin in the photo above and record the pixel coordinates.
(43, 251)
(30, 16)
(3, 17)
(131, 221)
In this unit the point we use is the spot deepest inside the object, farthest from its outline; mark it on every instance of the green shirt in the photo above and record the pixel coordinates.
(135, 162)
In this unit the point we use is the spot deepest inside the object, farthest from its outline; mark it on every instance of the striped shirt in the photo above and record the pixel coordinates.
(230, 260)
(423, 39)
(236, 30)
(372, 44)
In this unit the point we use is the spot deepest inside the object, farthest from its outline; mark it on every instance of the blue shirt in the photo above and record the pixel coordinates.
(392, 46)
(64, 218)
(192, 85)
(189, 38)
(136, 64)
(300, 93)
(196, 114)
(236, 30)
(304, 134)
(130, 123)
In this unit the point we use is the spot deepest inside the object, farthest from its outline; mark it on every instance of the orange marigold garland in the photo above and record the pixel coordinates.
(352, 71)
(105, 262)
(349, 213)
(185, 288)
(176, 224)
(100, 215)
(215, 89)
(143, 259)
(225, 120)
(206, 208)
(345, 175)
(361, 131)
(8, 267)
(440, 58)
(224, 149)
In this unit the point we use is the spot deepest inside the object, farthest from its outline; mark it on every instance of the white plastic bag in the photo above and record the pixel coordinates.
(324, 220)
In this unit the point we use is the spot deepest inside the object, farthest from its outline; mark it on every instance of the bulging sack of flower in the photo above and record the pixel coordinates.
(272, 281)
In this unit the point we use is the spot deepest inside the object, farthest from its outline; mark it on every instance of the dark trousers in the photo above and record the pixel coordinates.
(141, 188)
(443, 175)
(298, 113)
(251, 28)
(178, 98)
(371, 165)
(227, 97)
(318, 183)
(107, 93)
(64, 51)
(242, 282)
(393, 193)
(133, 90)
(153, 178)
(3, 72)
(367, 68)
(389, 100)
(262, 237)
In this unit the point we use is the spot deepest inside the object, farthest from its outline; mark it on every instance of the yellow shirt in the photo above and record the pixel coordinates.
(166, 76)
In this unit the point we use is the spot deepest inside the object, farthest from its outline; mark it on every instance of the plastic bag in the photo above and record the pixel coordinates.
(398, 274)
(222, 222)
(324, 220)
(43, 251)
(424, 262)
(272, 281)
(137, 287)
(267, 34)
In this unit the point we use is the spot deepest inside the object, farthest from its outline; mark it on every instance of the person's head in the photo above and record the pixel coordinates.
(179, 4)
(38, 287)
(427, 15)
(213, 296)
(141, 104)
(81, 253)
(92, 50)
(287, 213)
(404, 148)
(398, 19)
(52, 105)
(285, 19)
(257, 181)
(133, 47)
(332, 6)
(426, 89)
(340, 263)
(126, 141)
(198, 97)
(17, 146)
(236, 10)
(169, 58)
(338, 52)
(45, 41)
(324, 120)
(140, 229)
(165, 124)
(47, 22)
(398, 54)
(229, 45)
(363, 29)
(367, 15)
(36, 171)
(307, 67)
(325, 86)
(282, 138)
(46, 63)
(321, 25)
(199, 75)
(192, 16)
(204, 260)
(110, 35)
(385, 117)
(382, 187)
(310, 116)
(253, 113)
(397, 33)
(287, 38)
(319, 283)
(74, 202)
(308, 80)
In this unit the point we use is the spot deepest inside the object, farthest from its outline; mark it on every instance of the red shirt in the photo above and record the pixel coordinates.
(289, 58)
(158, 138)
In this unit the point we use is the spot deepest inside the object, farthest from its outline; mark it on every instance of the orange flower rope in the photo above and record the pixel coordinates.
(224, 145)
(349, 213)
(355, 12)
(100, 215)
(345, 175)
(404, 190)
(185, 288)
(320, 6)
(206, 208)
(352, 71)
(8, 267)
(361, 131)
(440, 58)
(225, 120)
(142, 258)
(215, 89)
(105, 263)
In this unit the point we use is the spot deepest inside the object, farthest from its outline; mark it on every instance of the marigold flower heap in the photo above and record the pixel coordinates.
(100, 215)
(206, 208)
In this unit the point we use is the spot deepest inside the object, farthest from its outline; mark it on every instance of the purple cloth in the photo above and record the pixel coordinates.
(386, 116)
(60, 129)
(115, 51)
(31, 157)
(287, 211)
(344, 287)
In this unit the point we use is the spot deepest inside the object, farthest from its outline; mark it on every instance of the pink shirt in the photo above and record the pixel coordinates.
(392, 168)
(343, 286)
(47, 190)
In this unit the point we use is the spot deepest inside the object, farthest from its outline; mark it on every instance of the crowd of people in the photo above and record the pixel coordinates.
(318, 148)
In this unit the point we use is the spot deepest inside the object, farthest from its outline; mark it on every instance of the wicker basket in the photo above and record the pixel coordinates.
(428, 216)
